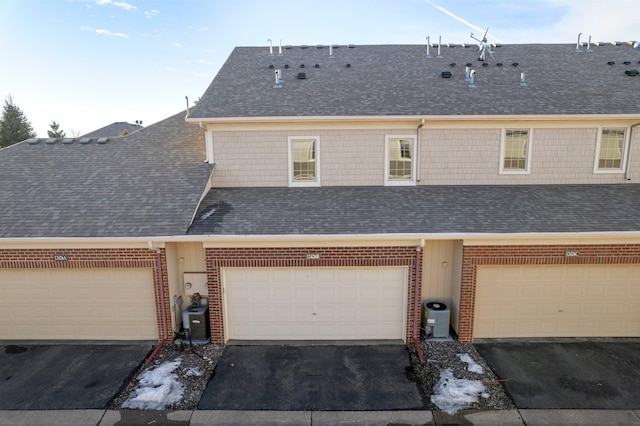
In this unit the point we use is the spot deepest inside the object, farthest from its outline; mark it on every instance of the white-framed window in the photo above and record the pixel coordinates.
(515, 151)
(400, 161)
(304, 161)
(611, 150)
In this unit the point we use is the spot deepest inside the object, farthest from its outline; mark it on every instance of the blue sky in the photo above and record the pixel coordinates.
(89, 63)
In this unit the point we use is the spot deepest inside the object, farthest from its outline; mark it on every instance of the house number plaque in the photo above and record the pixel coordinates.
(60, 257)
(314, 256)
(571, 253)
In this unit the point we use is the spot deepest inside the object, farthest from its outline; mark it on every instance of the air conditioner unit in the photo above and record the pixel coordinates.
(435, 320)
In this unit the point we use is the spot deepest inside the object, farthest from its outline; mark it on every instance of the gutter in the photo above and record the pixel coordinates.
(627, 173)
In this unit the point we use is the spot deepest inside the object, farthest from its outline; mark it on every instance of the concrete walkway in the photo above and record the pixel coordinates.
(318, 418)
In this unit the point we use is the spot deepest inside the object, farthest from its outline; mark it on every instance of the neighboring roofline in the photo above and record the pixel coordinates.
(309, 238)
(326, 118)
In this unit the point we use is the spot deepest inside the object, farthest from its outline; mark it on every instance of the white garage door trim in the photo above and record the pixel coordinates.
(77, 304)
(315, 303)
(557, 301)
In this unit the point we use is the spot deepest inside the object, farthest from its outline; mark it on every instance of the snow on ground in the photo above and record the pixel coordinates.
(159, 387)
(451, 394)
(471, 364)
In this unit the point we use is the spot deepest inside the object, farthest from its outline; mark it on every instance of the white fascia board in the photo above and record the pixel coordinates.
(324, 118)
(159, 241)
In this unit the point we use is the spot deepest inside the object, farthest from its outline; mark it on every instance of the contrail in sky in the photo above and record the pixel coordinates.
(459, 19)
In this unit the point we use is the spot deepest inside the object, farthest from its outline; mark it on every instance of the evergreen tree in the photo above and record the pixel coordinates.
(14, 126)
(55, 131)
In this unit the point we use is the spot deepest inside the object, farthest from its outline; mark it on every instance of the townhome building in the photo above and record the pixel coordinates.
(325, 192)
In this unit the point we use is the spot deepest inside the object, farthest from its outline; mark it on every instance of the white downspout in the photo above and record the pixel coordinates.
(418, 149)
(627, 173)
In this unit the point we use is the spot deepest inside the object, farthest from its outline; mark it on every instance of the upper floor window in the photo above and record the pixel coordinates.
(515, 151)
(611, 150)
(304, 167)
(400, 162)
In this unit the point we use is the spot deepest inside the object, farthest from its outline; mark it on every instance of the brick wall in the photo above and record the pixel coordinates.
(530, 255)
(218, 258)
(94, 258)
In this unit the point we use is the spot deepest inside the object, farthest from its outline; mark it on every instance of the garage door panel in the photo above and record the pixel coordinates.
(329, 303)
(103, 304)
(573, 300)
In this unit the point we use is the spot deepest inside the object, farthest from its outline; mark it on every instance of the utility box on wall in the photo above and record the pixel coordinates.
(195, 282)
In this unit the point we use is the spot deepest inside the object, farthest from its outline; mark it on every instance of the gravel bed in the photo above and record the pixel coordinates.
(195, 370)
(442, 355)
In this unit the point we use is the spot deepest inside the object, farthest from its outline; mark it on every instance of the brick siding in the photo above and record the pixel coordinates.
(218, 258)
(530, 255)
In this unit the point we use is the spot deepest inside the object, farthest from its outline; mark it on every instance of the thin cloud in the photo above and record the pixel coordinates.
(459, 19)
(120, 4)
(204, 62)
(151, 13)
(104, 32)
(176, 44)
(202, 29)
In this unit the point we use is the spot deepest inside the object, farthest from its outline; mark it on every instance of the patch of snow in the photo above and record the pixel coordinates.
(451, 394)
(193, 372)
(159, 388)
(471, 364)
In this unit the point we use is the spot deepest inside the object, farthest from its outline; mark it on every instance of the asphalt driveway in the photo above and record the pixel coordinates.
(61, 377)
(303, 378)
(578, 375)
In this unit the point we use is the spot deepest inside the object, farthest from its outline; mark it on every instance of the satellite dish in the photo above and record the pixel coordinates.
(485, 47)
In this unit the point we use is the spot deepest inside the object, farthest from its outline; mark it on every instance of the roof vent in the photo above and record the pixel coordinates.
(33, 141)
(286, 65)
(50, 141)
(611, 63)
(68, 140)
(301, 76)
(351, 46)
(304, 46)
(515, 64)
(271, 67)
(103, 140)
(627, 62)
(469, 64)
(452, 64)
(348, 65)
(446, 74)
(301, 65)
(499, 64)
(85, 140)
(632, 73)
(319, 46)
(316, 66)
(484, 64)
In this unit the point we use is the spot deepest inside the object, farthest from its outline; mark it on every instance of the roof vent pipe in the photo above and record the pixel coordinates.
(578, 43)
(280, 48)
(439, 45)
(270, 47)
(467, 74)
(278, 84)
(472, 76)
(187, 98)
(522, 83)
(331, 51)
(589, 45)
(428, 46)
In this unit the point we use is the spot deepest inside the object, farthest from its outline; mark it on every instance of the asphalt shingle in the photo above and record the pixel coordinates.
(420, 209)
(389, 80)
(145, 184)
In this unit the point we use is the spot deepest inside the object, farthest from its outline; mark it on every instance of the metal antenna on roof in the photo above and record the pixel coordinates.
(270, 47)
(428, 46)
(485, 47)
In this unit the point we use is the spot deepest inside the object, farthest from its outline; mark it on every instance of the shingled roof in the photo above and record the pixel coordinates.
(113, 130)
(508, 209)
(148, 183)
(399, 80)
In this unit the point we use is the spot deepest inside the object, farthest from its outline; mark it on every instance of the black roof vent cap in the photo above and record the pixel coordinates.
(627, 62)
(499, 64)
(286, 65)
(446, 74)
(317, 66)
(515, 64)
(301, 76)
(484, 64)
(611, 63)
(348, 65)
(452, 64)
(469, 64)
(632, 73)
(301, 65)
(271, 67)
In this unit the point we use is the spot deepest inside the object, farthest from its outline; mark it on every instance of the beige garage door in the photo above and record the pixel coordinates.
(558, 301)
(315, 303)
(96, 304)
